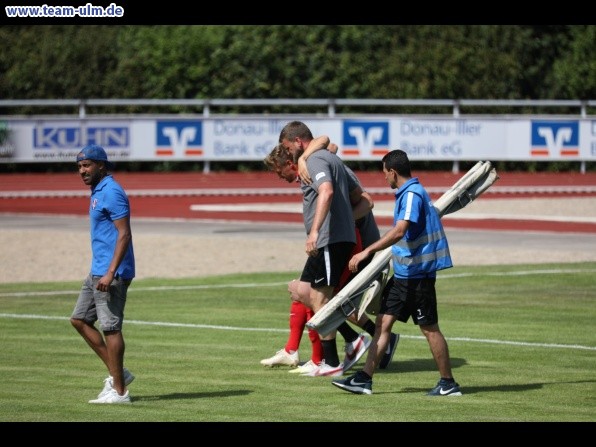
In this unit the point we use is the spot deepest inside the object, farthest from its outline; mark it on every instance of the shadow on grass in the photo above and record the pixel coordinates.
(499, 388)
(179, 396)
(414, 365)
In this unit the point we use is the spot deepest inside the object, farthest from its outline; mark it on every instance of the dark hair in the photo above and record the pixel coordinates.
(295, 129)
(398, 161)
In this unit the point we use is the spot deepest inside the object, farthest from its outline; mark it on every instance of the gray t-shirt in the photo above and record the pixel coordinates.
(338, 226)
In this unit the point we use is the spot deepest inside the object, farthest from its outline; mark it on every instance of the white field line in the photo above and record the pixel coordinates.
(277, 284)
(248, 329)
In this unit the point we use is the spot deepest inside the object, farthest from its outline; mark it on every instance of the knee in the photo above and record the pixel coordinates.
(77, 324)
(300, 291)
(431, 330)
(293, 289)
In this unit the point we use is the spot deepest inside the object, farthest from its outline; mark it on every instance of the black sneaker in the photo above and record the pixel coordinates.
(354, 384)
(445, 388)
(393, 341)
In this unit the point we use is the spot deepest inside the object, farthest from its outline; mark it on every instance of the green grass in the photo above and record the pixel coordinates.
(522, 342)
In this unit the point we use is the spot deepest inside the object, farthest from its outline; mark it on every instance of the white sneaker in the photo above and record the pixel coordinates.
(112, 397)
(107, 387)
(108, 383)
(325, 370)
(305, 369)
(356, 349)
(281, 357)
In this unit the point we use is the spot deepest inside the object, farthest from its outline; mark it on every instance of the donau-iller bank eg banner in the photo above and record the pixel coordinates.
(239, 139)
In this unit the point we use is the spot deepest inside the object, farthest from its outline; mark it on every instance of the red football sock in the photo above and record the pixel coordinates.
(317, 346)
(298, 320)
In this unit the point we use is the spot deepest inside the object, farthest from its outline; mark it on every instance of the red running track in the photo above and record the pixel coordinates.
(170, 195)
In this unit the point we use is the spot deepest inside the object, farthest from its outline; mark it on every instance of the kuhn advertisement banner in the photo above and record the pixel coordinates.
(238, 139)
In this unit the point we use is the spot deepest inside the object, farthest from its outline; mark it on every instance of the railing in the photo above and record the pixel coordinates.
(331, 105)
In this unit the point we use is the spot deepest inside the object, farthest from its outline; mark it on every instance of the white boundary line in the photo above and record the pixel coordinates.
(248, 329)
(276, 284)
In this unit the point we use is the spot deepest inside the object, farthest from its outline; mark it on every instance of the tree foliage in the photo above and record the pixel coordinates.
(286, 61)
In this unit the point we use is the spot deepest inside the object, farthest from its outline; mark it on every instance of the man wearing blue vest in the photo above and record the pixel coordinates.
(103, 293)
(419, 249)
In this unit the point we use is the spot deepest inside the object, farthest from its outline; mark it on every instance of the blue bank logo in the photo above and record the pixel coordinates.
(365, 138)
(555, 138)
(179, 138)
(54, 137)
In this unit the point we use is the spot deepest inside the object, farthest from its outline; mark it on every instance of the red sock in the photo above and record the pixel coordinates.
(315, 340)
(298, 320)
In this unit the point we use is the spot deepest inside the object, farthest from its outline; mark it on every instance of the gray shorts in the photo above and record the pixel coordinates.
(107, 307)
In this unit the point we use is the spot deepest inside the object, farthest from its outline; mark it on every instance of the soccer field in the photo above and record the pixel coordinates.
(521, 339)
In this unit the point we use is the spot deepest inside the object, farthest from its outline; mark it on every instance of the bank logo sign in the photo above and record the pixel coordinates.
(555, 139)
(365, 138)
(179, 138)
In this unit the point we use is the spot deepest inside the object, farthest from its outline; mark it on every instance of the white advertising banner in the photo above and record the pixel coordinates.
(241, 139)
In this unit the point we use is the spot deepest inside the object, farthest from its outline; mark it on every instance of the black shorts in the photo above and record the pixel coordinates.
(326, 268)
(416, 298)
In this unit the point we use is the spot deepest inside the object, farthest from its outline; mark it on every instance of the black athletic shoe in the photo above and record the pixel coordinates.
(393, 341)
(444, 388)
(354, 384)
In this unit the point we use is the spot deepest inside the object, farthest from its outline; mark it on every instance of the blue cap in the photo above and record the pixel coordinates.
(95, 153)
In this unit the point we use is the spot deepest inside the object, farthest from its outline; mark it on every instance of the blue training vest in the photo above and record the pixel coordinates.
(424, 249)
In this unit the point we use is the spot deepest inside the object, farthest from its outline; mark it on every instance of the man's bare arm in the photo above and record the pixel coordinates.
(363, 205)
(325, 196)
(315, 145)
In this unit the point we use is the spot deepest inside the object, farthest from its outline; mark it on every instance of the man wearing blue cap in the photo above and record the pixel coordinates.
(103, 293)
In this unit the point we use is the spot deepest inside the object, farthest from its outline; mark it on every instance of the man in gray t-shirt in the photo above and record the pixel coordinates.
(281, 162)
(329, 224)
(328, 168)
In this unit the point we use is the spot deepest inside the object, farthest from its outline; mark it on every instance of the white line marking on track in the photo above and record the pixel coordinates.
(296, 208)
